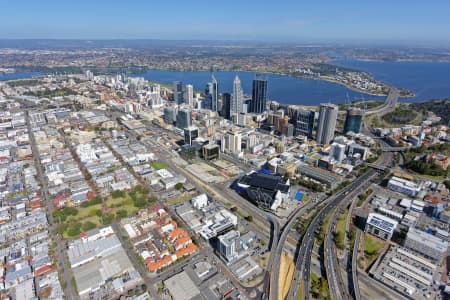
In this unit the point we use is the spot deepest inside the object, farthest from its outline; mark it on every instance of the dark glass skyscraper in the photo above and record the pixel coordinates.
(178, 92)
(353, 120)
(184, 118)
(259, 94)
(226, 106)
(303, 120)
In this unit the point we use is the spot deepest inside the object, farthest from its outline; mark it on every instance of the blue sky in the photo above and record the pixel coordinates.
(276, 20)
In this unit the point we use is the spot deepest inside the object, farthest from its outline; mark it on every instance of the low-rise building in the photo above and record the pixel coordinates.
(380, 226)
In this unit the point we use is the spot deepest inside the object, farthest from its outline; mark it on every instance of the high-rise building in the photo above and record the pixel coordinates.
(189, 95)
(214, 93)
(178, 92)
(338, 152)
(190, 134)
(231, 142)
(327, 123)
(184, 118)
(237, 103)
(170, 115)
(259, 94)
(303, 121)
(226, 105)
(353, 120)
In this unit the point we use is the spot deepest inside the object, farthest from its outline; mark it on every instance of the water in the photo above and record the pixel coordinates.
(18, 75)
(428, 80)
(281, 88)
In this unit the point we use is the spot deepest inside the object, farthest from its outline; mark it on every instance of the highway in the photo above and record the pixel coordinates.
(389, 103)
(337, 287)
(303, 260)
(273, 292)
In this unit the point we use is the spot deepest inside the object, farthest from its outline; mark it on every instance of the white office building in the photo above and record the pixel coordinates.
(403, 186)
(380, 226)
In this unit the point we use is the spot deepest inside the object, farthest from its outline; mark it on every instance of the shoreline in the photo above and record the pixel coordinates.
(290, 75)
(320, 78)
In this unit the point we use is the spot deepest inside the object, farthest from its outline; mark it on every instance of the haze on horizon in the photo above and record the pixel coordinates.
(396, 22)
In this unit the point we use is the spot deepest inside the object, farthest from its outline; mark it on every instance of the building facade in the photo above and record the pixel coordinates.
(327, 123)
(353, 120)
(259, 95)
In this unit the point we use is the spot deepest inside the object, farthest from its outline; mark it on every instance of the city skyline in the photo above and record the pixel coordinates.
(287, 21)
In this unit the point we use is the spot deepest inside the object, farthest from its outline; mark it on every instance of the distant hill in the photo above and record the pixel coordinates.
(441, 107)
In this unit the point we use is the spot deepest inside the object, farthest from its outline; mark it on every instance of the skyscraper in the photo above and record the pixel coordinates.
(303, 120)
(226, 105)
(214, 92)
(259, 94)
(237, 103)
(170, 115)
(184, 118)
(353, 120)
(190, 134)
(178, 92)
(189, 95)
(327, 123)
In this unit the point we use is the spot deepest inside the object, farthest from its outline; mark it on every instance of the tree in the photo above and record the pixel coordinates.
(118, 194)
(107, 219)
(249, 218)
(74, 230)
(121, 213)
(88, 225)
(179, 186)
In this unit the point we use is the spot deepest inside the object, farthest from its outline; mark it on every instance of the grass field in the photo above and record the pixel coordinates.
(158, 165)
(372, 247)
(340, 230)
(103, 213)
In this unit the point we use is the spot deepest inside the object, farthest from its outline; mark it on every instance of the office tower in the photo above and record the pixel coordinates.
(303, 121)
(237, 103)
(189, 95)
(259, 94)
(226, 106)
(170, 115)
(327, 123)
(353, 120)
(184, 118)
(214, 92)
(190, 134)
(231, 142)
(178, 92)
(338, 151)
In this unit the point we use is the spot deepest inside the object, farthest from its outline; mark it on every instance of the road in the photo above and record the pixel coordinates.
(274, 288)
(303, 260)
(389, 103)
(69, 290)
(268, 222)
(337, 287)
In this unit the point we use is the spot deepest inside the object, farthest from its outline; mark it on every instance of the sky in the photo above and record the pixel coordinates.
(262, 20)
